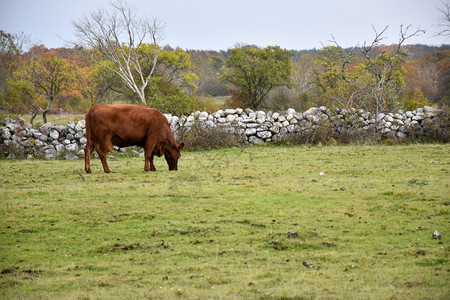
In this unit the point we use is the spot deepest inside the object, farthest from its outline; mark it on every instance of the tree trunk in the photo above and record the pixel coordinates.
(49, 107)
(44, 116)
(35, 112)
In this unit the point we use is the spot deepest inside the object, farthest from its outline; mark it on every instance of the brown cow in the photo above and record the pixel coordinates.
(125, 125)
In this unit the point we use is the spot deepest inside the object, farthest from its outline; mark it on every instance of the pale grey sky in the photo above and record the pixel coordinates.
(219, 25)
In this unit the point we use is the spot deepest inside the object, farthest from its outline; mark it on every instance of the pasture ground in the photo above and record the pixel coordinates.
(363, 218)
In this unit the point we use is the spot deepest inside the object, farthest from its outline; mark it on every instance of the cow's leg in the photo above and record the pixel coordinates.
(102, 155)
(87, 157)
(149, 166)
(102, 150)
(148, 153)
(152, 166)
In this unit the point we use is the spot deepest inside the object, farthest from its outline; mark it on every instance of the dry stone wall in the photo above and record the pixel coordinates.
(52, 141)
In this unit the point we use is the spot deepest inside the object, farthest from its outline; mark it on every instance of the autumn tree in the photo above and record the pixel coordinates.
(358, 77)
(50, 75)
(173, 83)
(117, 36)
(431, 75)
(210, 68)
(22, 96)
(255, 72)
(98, 85)
(175, 68)
(10, 58)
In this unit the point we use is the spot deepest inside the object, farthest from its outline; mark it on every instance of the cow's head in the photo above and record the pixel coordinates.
(172, 155)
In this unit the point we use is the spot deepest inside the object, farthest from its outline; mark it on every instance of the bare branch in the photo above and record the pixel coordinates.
(118, 36)
(445, 20)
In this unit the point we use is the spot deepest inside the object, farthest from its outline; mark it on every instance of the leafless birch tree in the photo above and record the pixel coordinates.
(117, 35)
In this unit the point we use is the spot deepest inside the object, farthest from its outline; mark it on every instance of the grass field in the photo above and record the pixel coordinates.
(59, 119)
(360, 219)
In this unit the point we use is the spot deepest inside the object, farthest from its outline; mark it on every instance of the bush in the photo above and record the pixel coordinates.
(176, 104)
(201, 137)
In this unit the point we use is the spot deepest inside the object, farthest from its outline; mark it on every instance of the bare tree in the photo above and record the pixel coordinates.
(118, 36)
(445, 20)
(384, 69)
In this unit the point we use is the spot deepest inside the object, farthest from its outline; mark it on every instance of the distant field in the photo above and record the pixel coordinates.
(340, 222)
(220, 101)
(60, 119)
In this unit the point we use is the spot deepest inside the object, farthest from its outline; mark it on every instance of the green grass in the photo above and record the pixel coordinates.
(217, 228)
(220, 101)
(59, 119)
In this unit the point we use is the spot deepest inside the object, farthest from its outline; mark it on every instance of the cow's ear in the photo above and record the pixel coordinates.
(181, 145)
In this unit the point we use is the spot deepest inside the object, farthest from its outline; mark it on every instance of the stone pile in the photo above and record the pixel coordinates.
(52, 141)
(259, 127)
(49, 141)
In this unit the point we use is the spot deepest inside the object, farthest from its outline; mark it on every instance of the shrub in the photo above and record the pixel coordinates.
(200, 136)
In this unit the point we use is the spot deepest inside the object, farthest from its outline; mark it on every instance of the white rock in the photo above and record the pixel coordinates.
(71, 147)
(249, 111)
(54, 134)
(388, 118)
(231, 118)
(252, 125)
(5, 133)
(380, 117)
(261, 120)
(250, 131)
(71, 156)
(168, 117)
(248, 120)
(80, 125)
(289, 117)
(312, 110)
(60, 147)
(260, 113)
(264, 134)
(401, 135)
(229, 111)
(255, 140)
(290, 111)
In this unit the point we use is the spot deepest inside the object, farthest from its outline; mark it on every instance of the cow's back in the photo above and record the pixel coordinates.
(124, 124)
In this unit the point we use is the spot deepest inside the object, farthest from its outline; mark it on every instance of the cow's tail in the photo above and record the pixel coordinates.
(89, 143)
(89, 136)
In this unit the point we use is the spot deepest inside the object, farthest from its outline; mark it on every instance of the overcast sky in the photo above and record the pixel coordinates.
(219, 25)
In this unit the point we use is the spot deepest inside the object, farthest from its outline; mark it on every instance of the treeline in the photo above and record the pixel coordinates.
(423, 75)
(42, 80)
